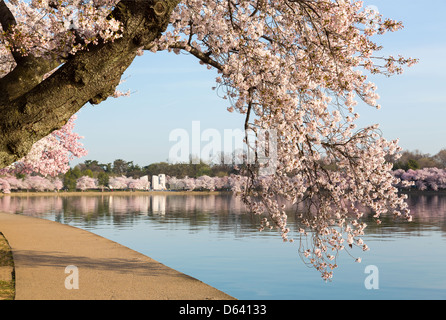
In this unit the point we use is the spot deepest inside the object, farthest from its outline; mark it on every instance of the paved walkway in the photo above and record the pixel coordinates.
(105, 270)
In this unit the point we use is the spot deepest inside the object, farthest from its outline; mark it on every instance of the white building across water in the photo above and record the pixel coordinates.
(159, 182)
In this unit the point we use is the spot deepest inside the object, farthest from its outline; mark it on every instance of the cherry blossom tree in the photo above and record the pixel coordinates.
(5, 187)
(294, 68)
(39, 183)
(138, 184)
(24, 185)
(86, 182)
(58, 184)
(14, 183)
(56, 56)
(233, 182)
(174, 183)
(118, 183)
(221, 183)
(205, 182)
(52, 154)
(423, 179)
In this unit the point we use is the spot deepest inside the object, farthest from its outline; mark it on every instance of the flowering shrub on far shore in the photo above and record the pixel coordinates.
(423, 179)
(433, 179)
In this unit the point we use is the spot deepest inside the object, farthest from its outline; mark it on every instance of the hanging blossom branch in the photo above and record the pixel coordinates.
(294, 67)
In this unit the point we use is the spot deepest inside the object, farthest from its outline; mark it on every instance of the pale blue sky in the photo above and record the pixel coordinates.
(171, 91)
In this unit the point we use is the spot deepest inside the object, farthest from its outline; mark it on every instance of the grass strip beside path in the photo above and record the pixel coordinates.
(7, 285)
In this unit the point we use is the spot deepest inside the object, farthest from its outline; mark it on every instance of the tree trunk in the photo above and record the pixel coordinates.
(32, 109)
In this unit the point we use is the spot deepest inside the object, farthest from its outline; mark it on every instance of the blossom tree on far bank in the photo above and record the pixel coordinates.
(124, 183)
(85, 182)
(295, 68)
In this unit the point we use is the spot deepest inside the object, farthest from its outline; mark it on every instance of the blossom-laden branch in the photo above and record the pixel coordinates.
(34, 104)
(298, 68)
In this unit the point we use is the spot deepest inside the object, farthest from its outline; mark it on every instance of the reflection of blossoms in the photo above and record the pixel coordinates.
(32, 206)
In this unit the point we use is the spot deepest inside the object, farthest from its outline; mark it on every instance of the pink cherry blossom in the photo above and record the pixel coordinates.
(422, 179)
(5, 186)
(85, 182)
(38, 183)
(118, 183)
(52, 154)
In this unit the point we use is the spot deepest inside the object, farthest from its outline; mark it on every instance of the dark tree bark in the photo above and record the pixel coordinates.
(30, 108)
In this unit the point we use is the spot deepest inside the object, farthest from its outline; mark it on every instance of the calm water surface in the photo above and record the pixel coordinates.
(210, 237)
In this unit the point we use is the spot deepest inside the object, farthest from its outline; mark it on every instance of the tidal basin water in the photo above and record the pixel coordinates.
(212, 238)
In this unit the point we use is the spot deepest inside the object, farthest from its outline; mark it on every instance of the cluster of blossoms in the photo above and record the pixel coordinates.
(36, 183)
(56, 29)
(86, 182)
(115, 183)
(52, 154)
(423, 179)
(40, 183)
(232, 182)
(59, 28)
(129, 183)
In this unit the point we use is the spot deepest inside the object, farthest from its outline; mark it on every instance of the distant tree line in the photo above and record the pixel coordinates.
(410, 160)
(120, 167)
(415, 160)
(103, 172)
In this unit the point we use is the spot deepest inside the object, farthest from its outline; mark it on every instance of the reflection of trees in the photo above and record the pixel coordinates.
(429, 209)
(195, 210)
(219, 212)
(428, 206)
(32, 206)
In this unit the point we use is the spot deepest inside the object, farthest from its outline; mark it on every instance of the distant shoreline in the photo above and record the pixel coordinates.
(165, 192)
(422, 192)
(111, 193)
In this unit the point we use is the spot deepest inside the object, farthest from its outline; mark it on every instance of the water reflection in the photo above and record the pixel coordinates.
(211, 237)
(222, 210)
(428, 210)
